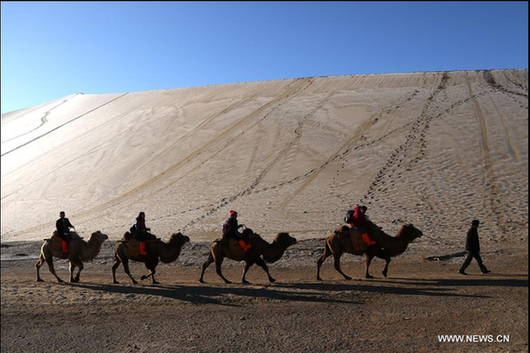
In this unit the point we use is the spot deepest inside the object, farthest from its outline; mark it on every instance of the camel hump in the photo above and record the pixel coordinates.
(342, 229)
(74, 236)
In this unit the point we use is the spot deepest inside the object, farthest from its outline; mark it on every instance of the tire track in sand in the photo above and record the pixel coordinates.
(493, 203)
(43, 120)
(295, 88)
(508, 138)
(249, 190)
(66, 123)
(490, 80)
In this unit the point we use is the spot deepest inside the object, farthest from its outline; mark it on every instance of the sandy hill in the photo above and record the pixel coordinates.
(437, 149)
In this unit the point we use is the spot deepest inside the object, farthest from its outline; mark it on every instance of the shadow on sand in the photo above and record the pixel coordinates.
(466, 281)
(216, 294)
(317, 292)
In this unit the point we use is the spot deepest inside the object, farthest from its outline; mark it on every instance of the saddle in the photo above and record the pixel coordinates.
(355, 236)
(132, 248)
(56, 243)
(235, 248)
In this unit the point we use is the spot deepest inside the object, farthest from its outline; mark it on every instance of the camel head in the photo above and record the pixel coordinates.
(409, 232)
(179, 238)
(285, 239)
(99, 237)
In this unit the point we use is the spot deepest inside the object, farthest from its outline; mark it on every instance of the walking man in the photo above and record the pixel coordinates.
(473, 249)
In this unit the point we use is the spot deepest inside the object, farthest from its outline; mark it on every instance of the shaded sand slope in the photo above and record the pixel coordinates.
(436, 149)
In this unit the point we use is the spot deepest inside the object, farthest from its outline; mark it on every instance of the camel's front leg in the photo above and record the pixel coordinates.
(248, 264)
(385, 271)
(265, 268)
(367, 261)
(152, 271)
(153, 280)
(71, 268)
(79, 264)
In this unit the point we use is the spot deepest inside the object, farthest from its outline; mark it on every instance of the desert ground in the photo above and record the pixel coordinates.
(435, 149)
(423, 297)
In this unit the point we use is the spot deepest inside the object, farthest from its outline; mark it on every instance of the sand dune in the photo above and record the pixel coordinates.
(436, 149)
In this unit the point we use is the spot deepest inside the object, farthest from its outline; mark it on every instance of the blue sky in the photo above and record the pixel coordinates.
(51, 50)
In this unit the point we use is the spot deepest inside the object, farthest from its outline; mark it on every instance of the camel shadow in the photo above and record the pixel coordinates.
(460, 282)
(217, 294)
(429, 289)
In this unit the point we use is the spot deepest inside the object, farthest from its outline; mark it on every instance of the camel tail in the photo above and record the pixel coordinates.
(328, 248)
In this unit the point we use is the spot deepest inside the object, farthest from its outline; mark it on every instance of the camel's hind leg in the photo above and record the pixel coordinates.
(327, 252)
(38, 266)
(208, 262)
(49, 261)
(337, 256)
(125, 262)
(265, 268)
(115, 266)
(218, 263)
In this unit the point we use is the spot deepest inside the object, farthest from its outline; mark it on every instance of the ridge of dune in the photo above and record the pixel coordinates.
(436, 149)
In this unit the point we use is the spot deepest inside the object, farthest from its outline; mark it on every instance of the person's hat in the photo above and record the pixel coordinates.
(233, 213)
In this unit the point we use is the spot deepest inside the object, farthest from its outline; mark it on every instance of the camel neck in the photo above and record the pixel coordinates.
(91, 250)
(273, 252)
(394, 245)
(168, 252)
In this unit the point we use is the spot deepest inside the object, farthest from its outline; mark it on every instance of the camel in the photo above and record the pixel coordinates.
(157, 250)
(340, 242)
(260, 250)
(79, 251)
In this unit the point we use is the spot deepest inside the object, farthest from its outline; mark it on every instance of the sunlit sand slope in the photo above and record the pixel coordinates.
(437, 149)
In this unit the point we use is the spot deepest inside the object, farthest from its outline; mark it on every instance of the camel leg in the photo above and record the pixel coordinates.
(385, 271)
(218, 263)
(37, 267)
(147, 275)
(71, 268)
(325, 254)
(337, 266)
(49, 260)
(152, 271)
(79, 264)
(115, 266)
(127, 271)
(367, 261)
(248, 264)
(153, 280)
(208, 262)
(265, 268)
